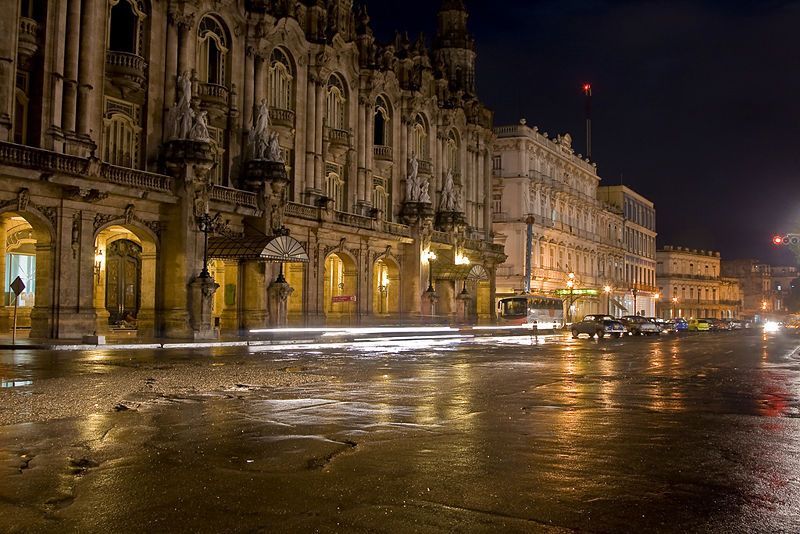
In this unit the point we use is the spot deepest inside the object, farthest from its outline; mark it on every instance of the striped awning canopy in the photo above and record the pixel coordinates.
(459, 272)
(283, 248)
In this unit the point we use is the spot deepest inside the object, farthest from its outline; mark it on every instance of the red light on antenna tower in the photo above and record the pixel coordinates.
(587, 88)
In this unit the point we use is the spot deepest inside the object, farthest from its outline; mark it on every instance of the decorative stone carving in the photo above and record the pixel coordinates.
(449, 200)
(23, 199)
(76, 233)
(130, 213)
(416, 186)
(259, 135)
(84, 195)
(199, 130)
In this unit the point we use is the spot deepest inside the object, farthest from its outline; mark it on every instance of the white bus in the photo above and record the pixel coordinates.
(545, 313)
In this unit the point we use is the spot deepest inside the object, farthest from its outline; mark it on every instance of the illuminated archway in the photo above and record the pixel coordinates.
(125, 279)
(27, 251)
(385, 287)
(340, 281)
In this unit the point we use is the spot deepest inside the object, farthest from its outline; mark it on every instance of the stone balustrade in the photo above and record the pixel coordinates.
(282, 117)
(148, 181)
(234, 196)
(382, 152)
(54, 162)
(130, 66)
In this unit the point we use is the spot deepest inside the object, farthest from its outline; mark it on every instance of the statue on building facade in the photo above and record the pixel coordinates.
(449, 200)
(260, 135)
(416, 186)
(199, 131)
(274, 154)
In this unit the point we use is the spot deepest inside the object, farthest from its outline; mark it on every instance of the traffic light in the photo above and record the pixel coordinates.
(788, 239)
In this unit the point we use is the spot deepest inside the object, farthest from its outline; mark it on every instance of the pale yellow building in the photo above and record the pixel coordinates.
(691, 286)
(574, 232)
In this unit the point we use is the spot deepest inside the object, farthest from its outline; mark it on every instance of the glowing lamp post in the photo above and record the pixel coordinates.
(461, 259)
(383, 288)
(571, 287)
(607, 291)
(430, 257)
(674, 304)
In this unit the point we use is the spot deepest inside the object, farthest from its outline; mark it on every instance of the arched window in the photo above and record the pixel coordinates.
(336, 191)
(381, 199)
(120, 141)
(20, 116)
(451, 152)
(281, 81)
(381, 125)
(335, 113)
(125, 27)
(212, 49)
(419, 138)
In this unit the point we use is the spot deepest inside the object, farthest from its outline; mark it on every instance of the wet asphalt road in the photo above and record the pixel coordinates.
(678, 433)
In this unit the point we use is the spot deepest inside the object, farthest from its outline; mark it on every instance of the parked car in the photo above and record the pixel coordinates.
(661, 323)
(679, 324)
(736, 324)
(717, 325)
(598, 325)
(699, 325)
(641, 326)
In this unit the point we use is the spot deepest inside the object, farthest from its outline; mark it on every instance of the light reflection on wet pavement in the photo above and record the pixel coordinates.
(689, 433)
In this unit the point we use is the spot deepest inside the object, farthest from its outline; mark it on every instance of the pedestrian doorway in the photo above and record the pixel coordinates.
(123, 282)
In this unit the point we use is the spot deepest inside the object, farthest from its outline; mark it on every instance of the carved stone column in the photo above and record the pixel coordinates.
(311, 132)
(279, 293)
(254, 296)
(319, 164)
(90, 78)
(68, 113)
(9, 28)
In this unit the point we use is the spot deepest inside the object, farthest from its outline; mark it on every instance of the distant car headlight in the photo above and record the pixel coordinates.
(771, 327)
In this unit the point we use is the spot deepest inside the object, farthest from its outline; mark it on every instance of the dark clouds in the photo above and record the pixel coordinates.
(696, 104)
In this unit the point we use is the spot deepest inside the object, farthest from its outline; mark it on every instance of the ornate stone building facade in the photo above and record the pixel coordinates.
(574, 232)
(692, 285)
(318, 171)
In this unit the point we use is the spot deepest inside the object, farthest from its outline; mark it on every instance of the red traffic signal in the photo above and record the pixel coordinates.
(788, 239)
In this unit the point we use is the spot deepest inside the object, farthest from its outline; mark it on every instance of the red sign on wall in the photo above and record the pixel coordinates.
(343, 298)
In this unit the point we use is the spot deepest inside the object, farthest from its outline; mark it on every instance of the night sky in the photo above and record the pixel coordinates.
(696, 104)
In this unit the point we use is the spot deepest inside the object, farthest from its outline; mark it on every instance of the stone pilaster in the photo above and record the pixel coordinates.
(188, 162)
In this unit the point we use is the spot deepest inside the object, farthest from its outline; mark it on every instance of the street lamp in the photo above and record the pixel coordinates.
(206, 224)
(634, 292)
(571, 287)
(430, 257)
(607, 291)
(383, 288)
(674, 303)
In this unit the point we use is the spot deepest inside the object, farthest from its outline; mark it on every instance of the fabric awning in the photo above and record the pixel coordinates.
(459, 272)
(282, 248)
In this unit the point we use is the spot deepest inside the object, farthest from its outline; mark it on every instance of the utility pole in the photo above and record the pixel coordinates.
(587, 91)
(526, 284)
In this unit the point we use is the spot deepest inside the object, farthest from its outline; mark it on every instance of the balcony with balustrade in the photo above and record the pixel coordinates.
(282, 117)
(214, 98)
(28, 42)
(126, 70)
(382, 152)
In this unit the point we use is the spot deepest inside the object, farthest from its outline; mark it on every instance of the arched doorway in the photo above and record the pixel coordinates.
(479, 287)
(125, 280)
(26, 252)
(295, 276)
(386, 287)
(339, 283)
